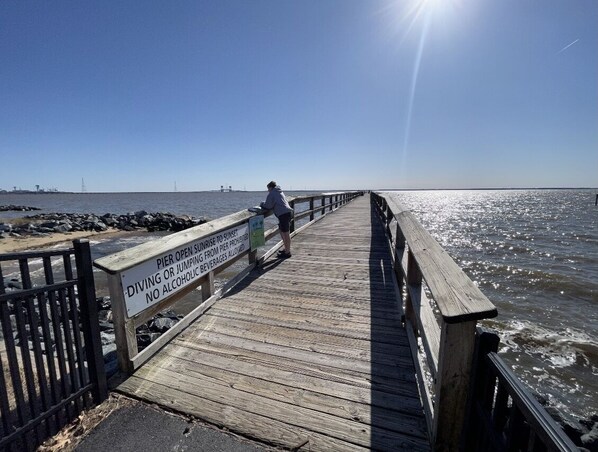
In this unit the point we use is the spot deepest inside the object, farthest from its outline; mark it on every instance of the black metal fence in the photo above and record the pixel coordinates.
(51, 365)
(504, 415)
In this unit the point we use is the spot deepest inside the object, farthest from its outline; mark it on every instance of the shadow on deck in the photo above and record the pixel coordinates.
(305, 353)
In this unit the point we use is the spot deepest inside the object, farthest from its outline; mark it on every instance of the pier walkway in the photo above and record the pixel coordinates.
(305, 353)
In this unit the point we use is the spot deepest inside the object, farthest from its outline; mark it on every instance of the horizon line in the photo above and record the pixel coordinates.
(31, 192)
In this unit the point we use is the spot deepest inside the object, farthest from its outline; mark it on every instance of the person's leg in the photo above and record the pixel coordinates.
(284, 225)
(286, 240)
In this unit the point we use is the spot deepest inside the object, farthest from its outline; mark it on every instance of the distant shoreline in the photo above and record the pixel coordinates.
(7, 193)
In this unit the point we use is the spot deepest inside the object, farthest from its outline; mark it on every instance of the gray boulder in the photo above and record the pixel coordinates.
(590, 439)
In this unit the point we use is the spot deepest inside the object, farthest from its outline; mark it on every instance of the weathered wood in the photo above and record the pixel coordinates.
(455, 357)
(292, 414)
(337, 368)
(208, 288)
(204, 375)
(310, 347)
(123, 260)
(457, 297)
(427, 325)
(125, 336)
(384, 337)
(140, 358)
(253, 425)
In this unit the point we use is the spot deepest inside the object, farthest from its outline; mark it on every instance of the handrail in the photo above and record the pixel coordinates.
(448, 339)
(503, 414)
(163, 254)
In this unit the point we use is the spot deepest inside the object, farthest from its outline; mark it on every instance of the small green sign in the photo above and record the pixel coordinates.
(256, 232)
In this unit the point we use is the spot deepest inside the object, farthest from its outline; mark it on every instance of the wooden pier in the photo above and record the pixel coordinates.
(304, 352)
(367, 338)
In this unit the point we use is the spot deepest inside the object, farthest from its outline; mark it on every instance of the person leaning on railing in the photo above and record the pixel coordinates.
(277, 201)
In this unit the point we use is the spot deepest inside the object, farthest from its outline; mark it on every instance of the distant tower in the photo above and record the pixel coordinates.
(222, 188)
(83, 189)
(230, 188)
(36, 187)
(175, 186)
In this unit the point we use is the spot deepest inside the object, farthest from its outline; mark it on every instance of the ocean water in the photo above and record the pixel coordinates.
(534, 254)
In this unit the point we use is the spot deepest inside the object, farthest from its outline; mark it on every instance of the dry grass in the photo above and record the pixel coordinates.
(70, 436)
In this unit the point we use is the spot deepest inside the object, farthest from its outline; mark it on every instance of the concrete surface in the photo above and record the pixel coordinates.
(140, 427)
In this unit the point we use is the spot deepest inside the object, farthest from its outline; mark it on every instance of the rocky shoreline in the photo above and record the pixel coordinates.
(146, 333)
(46, 224)
(13, 208)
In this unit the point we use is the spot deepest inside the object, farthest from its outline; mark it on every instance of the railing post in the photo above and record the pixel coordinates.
(292, 204)
(388, 220)
(399, 250)
(414, 279)
(208, 288)
(311, 208)
(124, 327)
(330, 204)
(89, 318)
(455, 356)
(481, 389)
(323, 205)
(252, 257)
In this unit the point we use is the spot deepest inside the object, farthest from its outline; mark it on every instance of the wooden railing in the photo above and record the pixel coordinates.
(472, 399)
(442, 307)
(51, 364)
(188, 260)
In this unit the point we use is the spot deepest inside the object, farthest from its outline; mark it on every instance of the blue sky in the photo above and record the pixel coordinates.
(322, 94)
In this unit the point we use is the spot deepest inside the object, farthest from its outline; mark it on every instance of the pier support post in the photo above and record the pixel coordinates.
(457, 343)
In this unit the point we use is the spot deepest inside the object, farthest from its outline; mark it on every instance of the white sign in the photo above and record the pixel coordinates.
(154, 280)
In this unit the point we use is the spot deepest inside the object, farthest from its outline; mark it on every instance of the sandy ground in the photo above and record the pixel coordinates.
(14, 244)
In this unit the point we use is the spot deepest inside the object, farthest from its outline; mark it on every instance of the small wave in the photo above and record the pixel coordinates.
(561, 348)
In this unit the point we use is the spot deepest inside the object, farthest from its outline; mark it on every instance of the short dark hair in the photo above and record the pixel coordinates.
(271, 184)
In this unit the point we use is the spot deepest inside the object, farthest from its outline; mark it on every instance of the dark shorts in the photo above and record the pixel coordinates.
(284, 222)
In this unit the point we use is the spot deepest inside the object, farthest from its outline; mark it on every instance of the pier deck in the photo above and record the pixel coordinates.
(306, 353)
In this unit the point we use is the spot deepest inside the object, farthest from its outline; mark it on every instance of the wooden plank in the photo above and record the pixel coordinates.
(317, 304)
(315, 342)
(337, 368)
(256, 308)
(306, 321)
(198, 373)
(305, 352)
(223, 365)
(252, 425)
(396, 338)
(318, 422)
(140, 358)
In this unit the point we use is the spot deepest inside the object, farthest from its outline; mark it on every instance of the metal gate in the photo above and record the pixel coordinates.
(51, 364)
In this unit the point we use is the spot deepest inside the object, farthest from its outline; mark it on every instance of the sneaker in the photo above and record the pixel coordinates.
(283, 255)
